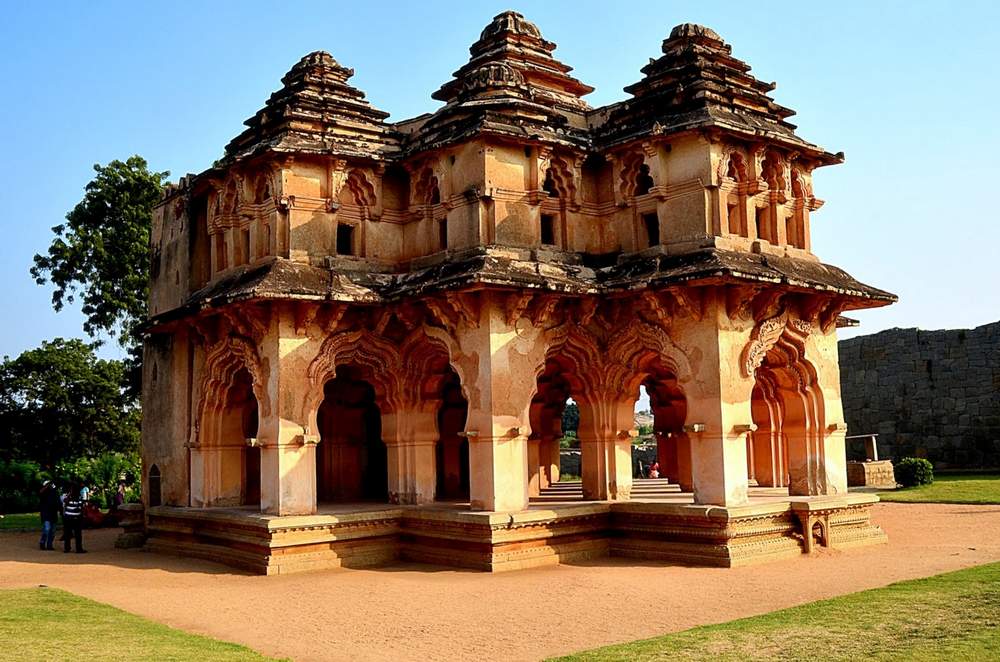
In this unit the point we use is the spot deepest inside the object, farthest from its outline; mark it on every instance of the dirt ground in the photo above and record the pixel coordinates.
(416, 612)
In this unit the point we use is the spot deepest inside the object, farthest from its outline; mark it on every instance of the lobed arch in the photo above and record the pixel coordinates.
(773, 170)
(222, 362)
(635, 176)
(225, 471)
(735, 167)
(559, 181)
(788, 403)
(405, 375)
(360, 190)
(426, 190)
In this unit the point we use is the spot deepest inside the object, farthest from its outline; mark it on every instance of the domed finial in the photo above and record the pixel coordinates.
(695, 32)
(512, 22)
(319, 59)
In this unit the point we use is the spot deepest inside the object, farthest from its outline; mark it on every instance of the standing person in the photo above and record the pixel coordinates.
(120, 495)
(73, 520)
(49, 506)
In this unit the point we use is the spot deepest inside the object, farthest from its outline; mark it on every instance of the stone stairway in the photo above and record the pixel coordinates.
(572, 490)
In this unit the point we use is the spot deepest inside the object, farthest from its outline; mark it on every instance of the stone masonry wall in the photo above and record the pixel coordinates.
(933, 394)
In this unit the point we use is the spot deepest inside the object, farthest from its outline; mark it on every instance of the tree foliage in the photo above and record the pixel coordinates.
(101, 253)
(61, 402)
(571, 418)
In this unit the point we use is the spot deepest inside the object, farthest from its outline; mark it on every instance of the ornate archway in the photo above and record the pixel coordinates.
(787, 404)
(225, 458)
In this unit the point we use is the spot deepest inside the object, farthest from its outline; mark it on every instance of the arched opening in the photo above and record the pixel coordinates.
(767, 461)
(234, 476)
(452, 449)
(601, 448)
(736, 199)
(155, 497)
(787, 408)
(351, 459)
(643, 180)
(546, 465)
(669, 408)
(549, 185)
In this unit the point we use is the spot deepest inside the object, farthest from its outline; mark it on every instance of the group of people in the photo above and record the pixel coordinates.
(76, 509)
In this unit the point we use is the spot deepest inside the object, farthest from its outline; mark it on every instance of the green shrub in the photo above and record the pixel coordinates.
(102, 473)
(19, 486)
(913, 471)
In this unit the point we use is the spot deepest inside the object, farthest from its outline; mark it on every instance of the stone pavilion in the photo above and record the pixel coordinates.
(363, 333)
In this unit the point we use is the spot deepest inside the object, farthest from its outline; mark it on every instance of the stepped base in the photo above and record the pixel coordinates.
(550, 532)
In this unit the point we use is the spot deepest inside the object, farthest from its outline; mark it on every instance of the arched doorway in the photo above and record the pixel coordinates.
(669, 408)
(237, 475)
(351, 459)
(546, 418)
(452, 449)
(787, 408)
(767, 455)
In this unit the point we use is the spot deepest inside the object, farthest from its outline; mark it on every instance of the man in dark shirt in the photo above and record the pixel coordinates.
(49, 506)
(73, 520)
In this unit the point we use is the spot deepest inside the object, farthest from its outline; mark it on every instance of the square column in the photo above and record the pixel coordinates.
(288, 447)
(498, 358)
(606, 432)
(410, 436)
(718, 401)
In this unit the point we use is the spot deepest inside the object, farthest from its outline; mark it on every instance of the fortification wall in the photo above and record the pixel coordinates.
(933, 394)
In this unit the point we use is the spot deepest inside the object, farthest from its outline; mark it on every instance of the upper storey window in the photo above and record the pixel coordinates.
(550, 185)
(345, 239)
(651, 223)
(635, 177)
(643, 180)
(548, 230)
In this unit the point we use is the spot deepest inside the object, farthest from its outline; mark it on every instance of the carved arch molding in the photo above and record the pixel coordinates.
(404, 375)
(617, 363)
(223, 360)
(783, 332)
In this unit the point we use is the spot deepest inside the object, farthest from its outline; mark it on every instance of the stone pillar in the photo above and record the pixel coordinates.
(718, 406)
(288, 447)
(673, 452)
(498, 359)
(410, 436)
(550, 459)
(534, 467)
(606, 432)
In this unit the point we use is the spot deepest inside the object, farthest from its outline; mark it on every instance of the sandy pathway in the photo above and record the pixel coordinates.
(414, 612)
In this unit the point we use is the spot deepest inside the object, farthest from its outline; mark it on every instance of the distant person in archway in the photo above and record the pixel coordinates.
(654, 470)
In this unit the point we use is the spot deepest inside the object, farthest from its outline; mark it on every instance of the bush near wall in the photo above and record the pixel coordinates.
(913, 471)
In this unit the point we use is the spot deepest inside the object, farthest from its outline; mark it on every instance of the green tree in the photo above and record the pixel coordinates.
(571, 418)
(61, 402)
(101, 253)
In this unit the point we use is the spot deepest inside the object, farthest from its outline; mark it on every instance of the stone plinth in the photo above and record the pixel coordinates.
(131, 518)
(494, 542)
(871, 474)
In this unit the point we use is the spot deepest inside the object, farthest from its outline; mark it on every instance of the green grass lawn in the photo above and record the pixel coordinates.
(49, 624)
(955, 616)
(958, 488)
(21, 522)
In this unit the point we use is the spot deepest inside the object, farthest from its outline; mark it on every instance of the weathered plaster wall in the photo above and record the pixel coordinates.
(933, 394)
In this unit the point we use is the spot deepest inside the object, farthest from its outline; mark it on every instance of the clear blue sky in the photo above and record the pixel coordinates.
(909, 90)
